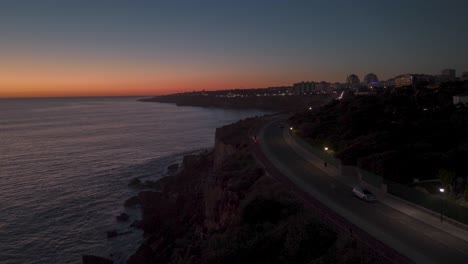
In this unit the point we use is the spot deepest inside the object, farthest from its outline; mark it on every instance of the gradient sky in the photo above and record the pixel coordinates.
(133, 47)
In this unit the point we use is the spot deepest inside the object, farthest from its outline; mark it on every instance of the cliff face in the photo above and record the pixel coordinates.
(223, 208)
(226, 149)
(221, 151)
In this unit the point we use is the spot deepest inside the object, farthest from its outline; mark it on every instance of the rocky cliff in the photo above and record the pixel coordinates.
(224, 208)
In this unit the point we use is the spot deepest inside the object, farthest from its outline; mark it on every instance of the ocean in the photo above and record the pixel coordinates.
(65, 164)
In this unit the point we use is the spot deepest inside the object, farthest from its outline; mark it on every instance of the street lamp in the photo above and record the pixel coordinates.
(325, 148)
(441, 190)
(291, 128)
(310, 108)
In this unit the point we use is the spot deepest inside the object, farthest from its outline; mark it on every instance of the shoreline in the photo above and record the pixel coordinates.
(269, 103)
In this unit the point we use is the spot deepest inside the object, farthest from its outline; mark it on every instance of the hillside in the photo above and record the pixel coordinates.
(400, 135)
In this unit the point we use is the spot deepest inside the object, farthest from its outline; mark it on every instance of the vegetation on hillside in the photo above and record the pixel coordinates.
(400, 135)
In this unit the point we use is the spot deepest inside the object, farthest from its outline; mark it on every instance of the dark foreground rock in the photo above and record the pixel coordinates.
(90, 259)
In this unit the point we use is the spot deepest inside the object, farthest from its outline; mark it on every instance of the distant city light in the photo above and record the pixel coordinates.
(441, 190)
(310, 108)
(325, 148)
(291, 128)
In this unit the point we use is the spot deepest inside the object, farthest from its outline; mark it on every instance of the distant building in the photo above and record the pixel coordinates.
(338, 86)
(322, 86)
(403, 80)
(377, 85)
(413, 79)
(460, 98)
(465, 76)
(352, 80)
(371, 79)
(449, 73)
(390, 83)
(304, 87)
(363, 91)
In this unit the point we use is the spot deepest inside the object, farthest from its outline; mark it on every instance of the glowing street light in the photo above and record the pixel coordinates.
(291, 128)
(310, 108)
(325, 148)
(441, 190)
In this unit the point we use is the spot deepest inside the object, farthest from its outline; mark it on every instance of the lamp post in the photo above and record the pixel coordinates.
(325, 156)
(291, 128)
(442, 190)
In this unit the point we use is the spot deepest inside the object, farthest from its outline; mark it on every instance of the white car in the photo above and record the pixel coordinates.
(364, 194)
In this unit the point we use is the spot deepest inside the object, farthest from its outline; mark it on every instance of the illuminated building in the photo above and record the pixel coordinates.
(370, 79)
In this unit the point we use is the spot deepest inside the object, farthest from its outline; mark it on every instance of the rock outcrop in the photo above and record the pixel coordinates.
(132, 201)
(123, 217)
(173, 167)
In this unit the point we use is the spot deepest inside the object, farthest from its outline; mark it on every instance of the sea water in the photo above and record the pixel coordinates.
(65, 164)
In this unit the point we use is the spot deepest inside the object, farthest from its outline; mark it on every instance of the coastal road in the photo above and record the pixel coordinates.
(414, 239)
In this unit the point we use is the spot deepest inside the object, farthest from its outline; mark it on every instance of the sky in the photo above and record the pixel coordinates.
(136, 47)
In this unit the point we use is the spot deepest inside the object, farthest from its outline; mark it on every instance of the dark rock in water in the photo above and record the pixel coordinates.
(112, 233)
(173, 167)
(90, 259)
(122, 217)
(134, 183)
(152, 184)
(137, 224)
(132, 201)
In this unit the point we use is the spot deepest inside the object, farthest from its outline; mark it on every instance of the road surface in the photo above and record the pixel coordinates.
(418, 241)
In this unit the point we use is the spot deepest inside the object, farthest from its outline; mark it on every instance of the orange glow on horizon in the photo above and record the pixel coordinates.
(38, 77)
(66, 84)
(121, 88)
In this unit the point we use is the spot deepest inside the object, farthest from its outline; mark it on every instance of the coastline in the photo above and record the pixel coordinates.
(223, 207)
(270, 103)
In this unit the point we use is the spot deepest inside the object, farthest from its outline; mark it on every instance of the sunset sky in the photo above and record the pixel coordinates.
(112, 47)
